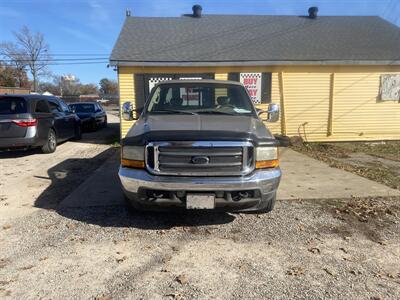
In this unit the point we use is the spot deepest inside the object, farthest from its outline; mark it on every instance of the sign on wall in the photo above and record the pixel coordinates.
(252, 82)
(390, 87)
(154, 80)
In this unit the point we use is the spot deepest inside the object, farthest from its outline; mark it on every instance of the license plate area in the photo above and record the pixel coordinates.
(200, 201)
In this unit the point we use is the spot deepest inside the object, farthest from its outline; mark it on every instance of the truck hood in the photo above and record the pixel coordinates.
(197, 127)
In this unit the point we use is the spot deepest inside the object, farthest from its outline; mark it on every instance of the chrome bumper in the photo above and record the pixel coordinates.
(266, 181)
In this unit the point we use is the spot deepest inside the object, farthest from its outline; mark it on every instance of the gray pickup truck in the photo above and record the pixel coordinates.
(200, 144)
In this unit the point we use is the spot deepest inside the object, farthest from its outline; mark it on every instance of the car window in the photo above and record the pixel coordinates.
(64, 106)
(83, 108)
(12, 105)
(42, 107)
(54, 106)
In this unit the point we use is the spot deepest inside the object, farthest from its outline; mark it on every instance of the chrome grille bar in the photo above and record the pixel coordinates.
(220, 158)
(202, 153)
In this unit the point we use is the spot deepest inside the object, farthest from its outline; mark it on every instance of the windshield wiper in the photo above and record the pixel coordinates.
(174, 111)
(217, 112)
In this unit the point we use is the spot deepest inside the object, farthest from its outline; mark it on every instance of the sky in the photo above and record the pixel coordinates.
(89, 28)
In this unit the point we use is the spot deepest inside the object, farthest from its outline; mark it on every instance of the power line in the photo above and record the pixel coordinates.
(80, 63)
(53, 59)
(79, 54)
(69, 54)
(69, 63)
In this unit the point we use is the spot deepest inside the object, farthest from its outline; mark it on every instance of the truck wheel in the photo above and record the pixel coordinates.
(267, 206)
(134, 207)
(51, 143)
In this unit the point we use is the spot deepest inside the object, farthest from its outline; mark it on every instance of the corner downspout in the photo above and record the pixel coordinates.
(331, 99)
(282, 94)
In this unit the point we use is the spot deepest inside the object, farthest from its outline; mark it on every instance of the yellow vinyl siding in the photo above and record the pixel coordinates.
(307, 104)
(220, 92)
(126, 93)
(358, 112)
(221, 76)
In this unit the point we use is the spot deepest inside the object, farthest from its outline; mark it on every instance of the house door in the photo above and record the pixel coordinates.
(144, 83)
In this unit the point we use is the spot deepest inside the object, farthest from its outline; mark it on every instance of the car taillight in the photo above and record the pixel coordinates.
(25, 123)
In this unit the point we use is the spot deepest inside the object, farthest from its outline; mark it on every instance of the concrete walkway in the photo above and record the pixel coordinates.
(308, 178)
(303, 178)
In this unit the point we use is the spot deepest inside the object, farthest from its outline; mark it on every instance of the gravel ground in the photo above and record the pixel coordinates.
(331, 249)
(303, 249)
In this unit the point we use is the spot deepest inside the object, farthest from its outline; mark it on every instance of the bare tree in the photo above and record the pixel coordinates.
(35, 52)
(15, 58)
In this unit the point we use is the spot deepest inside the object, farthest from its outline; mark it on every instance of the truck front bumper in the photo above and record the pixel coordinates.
(140, 187)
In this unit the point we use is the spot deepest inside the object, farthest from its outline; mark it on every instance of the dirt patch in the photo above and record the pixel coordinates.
(373, 217)
(361, 159)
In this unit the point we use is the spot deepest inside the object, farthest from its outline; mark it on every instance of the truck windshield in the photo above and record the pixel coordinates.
(200, 98)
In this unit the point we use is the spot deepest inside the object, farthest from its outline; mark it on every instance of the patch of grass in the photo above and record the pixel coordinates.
(388, 150)
(331, 153)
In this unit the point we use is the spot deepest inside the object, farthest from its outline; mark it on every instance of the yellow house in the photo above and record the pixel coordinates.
(335, 78)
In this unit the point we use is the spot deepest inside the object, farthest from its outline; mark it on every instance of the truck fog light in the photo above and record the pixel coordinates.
(267, 157)
(132, 157)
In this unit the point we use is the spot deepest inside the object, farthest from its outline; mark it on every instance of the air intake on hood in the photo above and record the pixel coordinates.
(197, 9)
(313, 12)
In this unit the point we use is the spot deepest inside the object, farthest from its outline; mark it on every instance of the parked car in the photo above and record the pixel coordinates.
(28, 121)
(200, 144)
(91, 114)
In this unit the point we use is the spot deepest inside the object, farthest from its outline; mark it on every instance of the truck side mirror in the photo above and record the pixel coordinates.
(273, 113)
(127, 111)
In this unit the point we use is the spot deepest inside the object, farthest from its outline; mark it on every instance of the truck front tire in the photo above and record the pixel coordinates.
(267, 204)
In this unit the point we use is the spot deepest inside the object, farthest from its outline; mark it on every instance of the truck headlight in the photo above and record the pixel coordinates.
(267, 157)
(132, 157)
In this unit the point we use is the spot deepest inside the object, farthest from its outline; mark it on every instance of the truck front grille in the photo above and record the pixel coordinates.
(200, 158)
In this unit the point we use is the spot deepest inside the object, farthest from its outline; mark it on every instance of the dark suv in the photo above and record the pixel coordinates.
(28, 121)
(92, 114)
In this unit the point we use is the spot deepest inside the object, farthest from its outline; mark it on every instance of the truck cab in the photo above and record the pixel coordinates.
(200, 144)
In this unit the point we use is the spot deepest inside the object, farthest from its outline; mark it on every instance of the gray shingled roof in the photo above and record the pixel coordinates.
(256, 40)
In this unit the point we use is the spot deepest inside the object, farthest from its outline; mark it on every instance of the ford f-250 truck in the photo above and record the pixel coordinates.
(200, 144)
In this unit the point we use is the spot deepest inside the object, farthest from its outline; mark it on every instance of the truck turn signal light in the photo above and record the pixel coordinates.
(263, 164)
(129, 163)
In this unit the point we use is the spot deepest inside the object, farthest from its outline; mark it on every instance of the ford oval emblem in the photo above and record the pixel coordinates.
(200, 160)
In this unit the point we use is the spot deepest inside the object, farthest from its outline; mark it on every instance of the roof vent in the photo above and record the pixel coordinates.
(197, 11)
(313, 12)
(128, 12)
